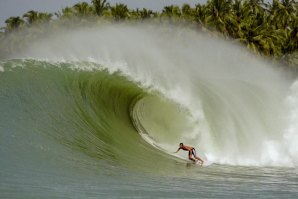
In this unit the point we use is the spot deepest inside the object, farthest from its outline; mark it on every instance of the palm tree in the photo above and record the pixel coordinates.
(146, 13)
(67, 13)
(235, 18)
(171, 11)
(31, 16)
(186, 9)
(284, 18)
(255, 6)
(82, 9)
(100, 6)
(44, 17)
(13, 23)
(217, 12)
(120, 12)
(200, 14)
(188, 13)
(37, 17)
(283, 12)
(262, 39)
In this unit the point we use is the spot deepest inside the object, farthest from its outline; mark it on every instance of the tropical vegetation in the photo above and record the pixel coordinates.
(266, 28)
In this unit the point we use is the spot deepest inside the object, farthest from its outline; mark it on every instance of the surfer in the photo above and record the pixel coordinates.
(191, 152)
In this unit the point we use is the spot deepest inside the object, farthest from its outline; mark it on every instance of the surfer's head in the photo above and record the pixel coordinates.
(181, 144)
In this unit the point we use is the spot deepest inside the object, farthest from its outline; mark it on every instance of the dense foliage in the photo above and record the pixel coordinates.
(269, 29)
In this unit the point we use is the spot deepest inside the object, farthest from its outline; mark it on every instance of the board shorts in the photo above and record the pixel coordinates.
(192, 152)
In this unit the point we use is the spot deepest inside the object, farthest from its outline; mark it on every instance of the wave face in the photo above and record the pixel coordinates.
(118, 100)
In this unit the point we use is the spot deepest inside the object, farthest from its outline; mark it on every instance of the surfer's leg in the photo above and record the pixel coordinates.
(193, 151)
(195, 156)
(200, 160)
(189, 156)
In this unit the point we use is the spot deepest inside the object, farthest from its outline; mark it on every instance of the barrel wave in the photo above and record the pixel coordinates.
(85, 111)
(88, 112)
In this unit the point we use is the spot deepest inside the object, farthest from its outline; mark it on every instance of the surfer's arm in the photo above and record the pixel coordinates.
(177, 150)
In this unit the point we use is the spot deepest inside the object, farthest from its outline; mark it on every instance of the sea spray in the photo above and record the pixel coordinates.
(233, 99)
(290, 136)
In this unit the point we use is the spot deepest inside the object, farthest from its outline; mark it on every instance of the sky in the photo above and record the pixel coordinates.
(10, 8)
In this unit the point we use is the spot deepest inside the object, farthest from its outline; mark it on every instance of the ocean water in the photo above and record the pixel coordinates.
(98, 113)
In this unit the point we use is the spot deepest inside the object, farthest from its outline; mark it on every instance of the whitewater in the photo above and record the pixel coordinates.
(98, 112)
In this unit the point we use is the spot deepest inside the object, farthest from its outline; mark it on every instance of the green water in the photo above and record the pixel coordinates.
(69, 133)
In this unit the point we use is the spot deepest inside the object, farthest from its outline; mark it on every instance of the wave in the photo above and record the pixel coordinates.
(130, 98)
